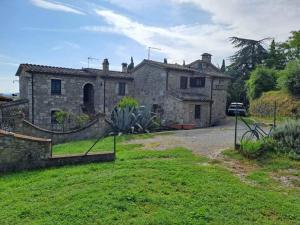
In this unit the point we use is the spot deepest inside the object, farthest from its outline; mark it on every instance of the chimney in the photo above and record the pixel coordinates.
(206, 57)
(183, 63)
(165, 61)
(105, 65)
(124, 67)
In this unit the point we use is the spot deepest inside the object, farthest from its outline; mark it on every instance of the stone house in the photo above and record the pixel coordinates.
(186, 94)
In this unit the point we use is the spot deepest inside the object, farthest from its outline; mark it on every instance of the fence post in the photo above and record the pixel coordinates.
(235, 128)
(275, 109)
(114, 143)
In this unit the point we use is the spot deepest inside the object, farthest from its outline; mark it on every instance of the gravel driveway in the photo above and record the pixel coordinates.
(205, 141)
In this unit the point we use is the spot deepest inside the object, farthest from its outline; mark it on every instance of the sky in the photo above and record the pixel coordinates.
(66, 32)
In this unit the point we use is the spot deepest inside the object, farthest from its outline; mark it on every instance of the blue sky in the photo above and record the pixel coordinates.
(66, 32)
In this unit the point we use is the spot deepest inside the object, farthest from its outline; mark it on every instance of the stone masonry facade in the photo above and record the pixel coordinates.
(17, 148)
(180, 94)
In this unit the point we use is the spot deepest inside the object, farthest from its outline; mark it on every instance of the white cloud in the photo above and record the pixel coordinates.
(254, 19)
(99, 29)
(57, 6)
(177, 43)
(65, 45)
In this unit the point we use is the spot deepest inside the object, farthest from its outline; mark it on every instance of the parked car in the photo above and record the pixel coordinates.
(236, 107)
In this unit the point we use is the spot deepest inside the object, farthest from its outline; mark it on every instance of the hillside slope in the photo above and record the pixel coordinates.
(287, 105)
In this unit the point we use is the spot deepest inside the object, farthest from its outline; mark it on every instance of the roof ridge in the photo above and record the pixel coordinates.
(46, 66)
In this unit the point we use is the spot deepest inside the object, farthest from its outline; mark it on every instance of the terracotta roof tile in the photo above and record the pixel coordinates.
(33, 68)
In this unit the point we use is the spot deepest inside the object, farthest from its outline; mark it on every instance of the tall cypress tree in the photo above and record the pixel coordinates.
(276, 58)
(223, 68)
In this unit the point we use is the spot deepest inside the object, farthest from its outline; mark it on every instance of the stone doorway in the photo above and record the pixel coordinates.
(88, 99)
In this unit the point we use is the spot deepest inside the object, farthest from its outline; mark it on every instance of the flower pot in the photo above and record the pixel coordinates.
(188, 126)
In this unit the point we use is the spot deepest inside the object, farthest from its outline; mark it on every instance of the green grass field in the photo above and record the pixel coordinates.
(143, 187)
(104, 145)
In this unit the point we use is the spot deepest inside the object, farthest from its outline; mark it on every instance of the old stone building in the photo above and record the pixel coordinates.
(181, 94)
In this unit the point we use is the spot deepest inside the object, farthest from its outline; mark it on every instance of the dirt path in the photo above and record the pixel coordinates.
(206, 141)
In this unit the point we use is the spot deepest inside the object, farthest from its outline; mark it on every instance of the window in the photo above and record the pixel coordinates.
(199, 66)
(197, 82)
(197, 111)
(53, 117)
(154, 108)
(183, 82)
(122, 88)
(55, 87)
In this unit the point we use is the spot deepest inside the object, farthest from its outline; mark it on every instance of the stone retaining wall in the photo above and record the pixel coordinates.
(19, 149)
(21, 152)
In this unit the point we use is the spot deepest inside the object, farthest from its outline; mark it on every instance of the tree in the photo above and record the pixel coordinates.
(276, 58)
(292, 46)
(292, 77)
(223, 68)
(237, 92)
(131, 65)
(262, 79)
(250, 53)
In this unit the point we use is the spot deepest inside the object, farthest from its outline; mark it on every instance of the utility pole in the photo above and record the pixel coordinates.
(149, 49)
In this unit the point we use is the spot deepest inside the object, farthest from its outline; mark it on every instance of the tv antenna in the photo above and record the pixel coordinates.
(149, 50)
(92, 59)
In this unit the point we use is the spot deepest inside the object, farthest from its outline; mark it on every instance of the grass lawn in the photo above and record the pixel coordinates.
(104, 145)
(269, 169)
(142, 187)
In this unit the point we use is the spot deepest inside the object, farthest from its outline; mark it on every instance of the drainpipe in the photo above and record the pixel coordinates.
(211, 100)
(32, 99)
(104, 93)
(167, 80)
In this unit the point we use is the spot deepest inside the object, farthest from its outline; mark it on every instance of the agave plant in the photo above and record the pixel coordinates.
(132, 119)
(123, 120)
(145, 119)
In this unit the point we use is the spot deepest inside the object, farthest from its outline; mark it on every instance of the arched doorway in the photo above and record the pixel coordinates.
(88, 99)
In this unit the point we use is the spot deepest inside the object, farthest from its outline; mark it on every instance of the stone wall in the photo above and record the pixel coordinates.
(219, 100)
(93, 129)
(174, 83)
(150, 85)
(19, 149)
(8, 112)
(183, 112)
(153, 85)
(112, 96)
(21, 152)
(71, 98)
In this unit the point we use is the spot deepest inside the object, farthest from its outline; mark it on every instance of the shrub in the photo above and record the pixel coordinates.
(292, 82)
(82, 119)
(287, 136)
(251, 148)
(254, 148)
(262, 79)
(128, 101)
(61, 116)
(68, 121)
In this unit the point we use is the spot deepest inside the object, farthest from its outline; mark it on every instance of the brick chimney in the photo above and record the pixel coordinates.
(206, 57)
(124, 67)
(165, 61)
(105, 65)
